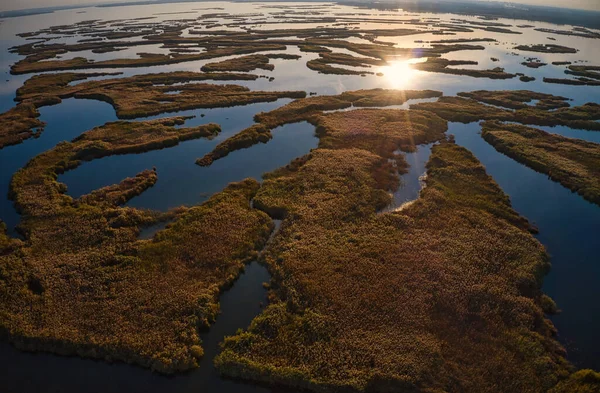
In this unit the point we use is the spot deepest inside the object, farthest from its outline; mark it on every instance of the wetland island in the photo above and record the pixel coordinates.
(300, 197)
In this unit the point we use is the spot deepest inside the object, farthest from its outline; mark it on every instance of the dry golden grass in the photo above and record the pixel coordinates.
(34, 63)
(546, 48)
(583, 381)
(572, 162)
(466, 110)
(517, 99)
(82, 284)
(442, 296)
(245, 138)
(18, 124)
(309, 109)
(243, 63)
(146, 95)
(380, 131)
(438, 64)
(119, 194)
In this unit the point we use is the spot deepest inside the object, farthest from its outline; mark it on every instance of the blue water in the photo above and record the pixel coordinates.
(180, 180)
(410, 183)
(568, 227)
(64, 122)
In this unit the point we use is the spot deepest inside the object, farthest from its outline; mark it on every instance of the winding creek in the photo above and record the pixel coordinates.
(568, 225)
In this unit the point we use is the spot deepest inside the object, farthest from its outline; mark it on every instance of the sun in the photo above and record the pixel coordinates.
(399, 74)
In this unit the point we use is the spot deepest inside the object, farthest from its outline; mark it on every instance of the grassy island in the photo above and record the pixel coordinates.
(19, 123)
(243, 63)
(322, 64)
(586, 71)
(584, 75)
(131, 97)
(574, 163)
(533, 64)
(435, 311)
(439, 64)
(308, 109)
(546, 48)
(467, 110)
(517, 99)
(34, 63)
(78, 284)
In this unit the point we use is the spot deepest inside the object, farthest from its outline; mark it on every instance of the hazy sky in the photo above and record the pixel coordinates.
(6, 5)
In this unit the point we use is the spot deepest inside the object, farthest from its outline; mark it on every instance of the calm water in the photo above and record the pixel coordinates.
(569, 227)
(568, 224)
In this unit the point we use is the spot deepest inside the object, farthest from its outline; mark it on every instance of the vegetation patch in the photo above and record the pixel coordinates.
(322, 64)
(245, 138)
(433, 298)
(309, 109)
(147, 95)
(546, 48)
(441, 65)
(19, 123)
(313, 48)
(574, 163)
(119, 194)
(467, 110)
(533, 64)
(585, 71)
(79, 282)
(34, 63)
(583, 381)
(517, 99)
(574, 82)
(244, 64)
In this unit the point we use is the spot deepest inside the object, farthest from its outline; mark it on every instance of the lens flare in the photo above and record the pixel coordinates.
(399, 74)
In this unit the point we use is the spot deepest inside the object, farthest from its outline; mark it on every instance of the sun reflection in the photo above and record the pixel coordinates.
(399, 74)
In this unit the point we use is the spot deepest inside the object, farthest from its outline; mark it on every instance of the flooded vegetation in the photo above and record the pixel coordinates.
(302, 197)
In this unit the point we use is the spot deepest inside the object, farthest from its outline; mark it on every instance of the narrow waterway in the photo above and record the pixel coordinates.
(412, 181)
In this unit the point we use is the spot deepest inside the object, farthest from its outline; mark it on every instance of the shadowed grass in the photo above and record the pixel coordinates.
(438, 64)
(18, 124)
(82, 284)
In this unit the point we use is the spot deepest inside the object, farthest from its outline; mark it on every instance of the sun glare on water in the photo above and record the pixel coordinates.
(399, 74)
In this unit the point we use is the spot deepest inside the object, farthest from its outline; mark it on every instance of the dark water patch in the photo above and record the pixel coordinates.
(63, 123)
(180, 180)
(568, 227)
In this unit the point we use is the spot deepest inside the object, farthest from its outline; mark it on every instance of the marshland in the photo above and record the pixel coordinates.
(298, 196)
